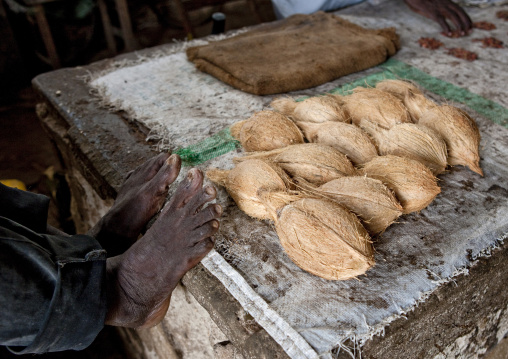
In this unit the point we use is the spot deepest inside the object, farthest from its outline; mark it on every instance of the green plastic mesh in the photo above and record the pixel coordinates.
(223, 142)
(211, 147)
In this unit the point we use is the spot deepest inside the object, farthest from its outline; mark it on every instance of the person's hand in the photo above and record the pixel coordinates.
(440, 11)
(140, 281)
(139, 199)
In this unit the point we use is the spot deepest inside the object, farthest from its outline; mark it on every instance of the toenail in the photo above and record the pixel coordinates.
(215, 224)
(190, 175)
(209, 190)
(171, 160)
(218, 209)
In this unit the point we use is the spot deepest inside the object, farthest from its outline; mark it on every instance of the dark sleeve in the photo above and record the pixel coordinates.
(26, 208)
(52, 290)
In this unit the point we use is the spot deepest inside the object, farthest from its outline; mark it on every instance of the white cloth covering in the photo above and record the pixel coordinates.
(286, 8)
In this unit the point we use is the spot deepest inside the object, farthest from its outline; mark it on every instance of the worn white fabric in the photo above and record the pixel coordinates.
(277, 327)
(482, 3)
(285, 8)
(468, 219)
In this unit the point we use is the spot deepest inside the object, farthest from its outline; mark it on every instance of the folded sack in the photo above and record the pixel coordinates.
(296, 53)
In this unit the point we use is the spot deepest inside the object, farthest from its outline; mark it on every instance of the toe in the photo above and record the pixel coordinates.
(167, 174)
(198, 252)
(187, 189)
(206, 194)
(154, 166)
(150, 168)
(212, 211)
(202, 248)
(205, 231)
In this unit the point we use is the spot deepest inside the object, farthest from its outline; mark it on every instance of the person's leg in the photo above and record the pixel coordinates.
(140, 198)
(141, 280)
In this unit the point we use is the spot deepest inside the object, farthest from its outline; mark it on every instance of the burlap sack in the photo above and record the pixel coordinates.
(296, 53)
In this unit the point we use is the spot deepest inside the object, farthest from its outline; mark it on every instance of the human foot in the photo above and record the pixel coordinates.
(139, 199)
(141, 280)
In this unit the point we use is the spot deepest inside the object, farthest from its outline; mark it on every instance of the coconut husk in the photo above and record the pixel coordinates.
(314, 162)
(410, 95)
(373, 129)
(398, 88)
(460, 133)
(235, 129)
(376, 106)
(313, 109)
(413, 183)
(347, 138)
(410, 140)
(325, 239)
(249, 184)
(266, 130)
(373, 202)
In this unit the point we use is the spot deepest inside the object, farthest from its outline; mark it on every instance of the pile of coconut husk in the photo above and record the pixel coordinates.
(332, 172)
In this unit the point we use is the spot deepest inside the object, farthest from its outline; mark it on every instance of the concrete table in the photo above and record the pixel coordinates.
(464, 314)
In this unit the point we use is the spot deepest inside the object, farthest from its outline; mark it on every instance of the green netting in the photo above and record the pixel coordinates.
(211, 147)
(487, 108)
(394, 69)
(223, 142)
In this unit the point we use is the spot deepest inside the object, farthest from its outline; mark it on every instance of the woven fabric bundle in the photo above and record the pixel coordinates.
(299, 52)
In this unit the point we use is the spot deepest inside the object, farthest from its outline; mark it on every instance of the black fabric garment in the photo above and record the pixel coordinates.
(52, 288)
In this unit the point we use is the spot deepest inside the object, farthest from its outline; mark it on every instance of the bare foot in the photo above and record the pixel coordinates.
(140, 198)
(141, 280)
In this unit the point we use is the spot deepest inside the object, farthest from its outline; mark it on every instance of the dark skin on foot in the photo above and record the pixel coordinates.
(141, 275)
(441, 11)
(141, 280)
(139, 199)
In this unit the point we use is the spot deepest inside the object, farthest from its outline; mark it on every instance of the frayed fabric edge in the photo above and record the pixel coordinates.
(379, 329)
(177, 47)
(285, 335)
(158, 133)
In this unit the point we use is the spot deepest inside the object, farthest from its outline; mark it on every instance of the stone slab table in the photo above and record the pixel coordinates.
(239, 302)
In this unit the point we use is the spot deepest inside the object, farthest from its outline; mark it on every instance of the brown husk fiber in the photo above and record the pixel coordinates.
(376, 106)
(325, 239)
(313, 162)
(414, 184)
(250, 184)
(296, 53)
(368, 198)
(410, 140)
(398, 88)
(410, 95)
(460, 133)
(265, 131)
(313, 109)
(347, 138)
